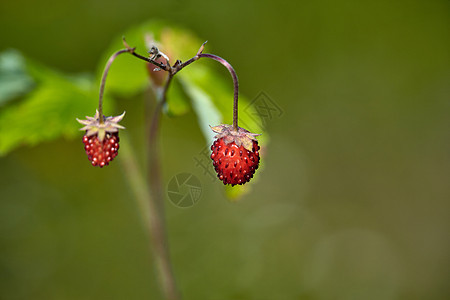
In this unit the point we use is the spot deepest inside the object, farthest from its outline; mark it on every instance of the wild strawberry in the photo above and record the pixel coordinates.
(235, 154)
(101, 140)
(157, 76)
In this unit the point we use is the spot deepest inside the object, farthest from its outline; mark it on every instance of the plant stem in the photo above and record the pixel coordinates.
(103, 82)
(235, 84)
(147, 59)
(156, 203)
(151, 216)
(159, 234)
(149, 200)
(155, 197)
(135, 178)
(178, 66)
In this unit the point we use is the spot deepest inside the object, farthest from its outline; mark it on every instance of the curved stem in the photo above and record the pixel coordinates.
(103, 82)
(178, 66)
(235, 84)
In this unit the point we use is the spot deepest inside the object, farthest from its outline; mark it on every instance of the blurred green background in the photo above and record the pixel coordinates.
(353, 202)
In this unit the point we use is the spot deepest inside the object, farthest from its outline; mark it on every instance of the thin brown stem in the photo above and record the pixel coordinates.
(235, 84)
(181, 65)
(103, 82)
(147, 59)
(157, 228)
(158, 233)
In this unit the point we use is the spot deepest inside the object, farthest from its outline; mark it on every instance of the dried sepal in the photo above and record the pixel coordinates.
(92, 125)
(240, 136)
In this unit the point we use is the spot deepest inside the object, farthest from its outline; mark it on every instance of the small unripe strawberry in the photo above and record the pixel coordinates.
(235, 154)
(157, 76)
(101, 140)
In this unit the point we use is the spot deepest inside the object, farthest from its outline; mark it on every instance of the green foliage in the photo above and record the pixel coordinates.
(178, 103)
(14, 80)
(207, 112)
(49, 108)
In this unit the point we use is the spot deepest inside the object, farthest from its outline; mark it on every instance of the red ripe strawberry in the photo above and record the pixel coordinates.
(100, 153)
(235, 154)
(101, 140)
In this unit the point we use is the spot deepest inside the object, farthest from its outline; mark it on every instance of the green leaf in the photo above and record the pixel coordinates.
(178, 101)
(204, 107)
(48, 112)
(14, 80)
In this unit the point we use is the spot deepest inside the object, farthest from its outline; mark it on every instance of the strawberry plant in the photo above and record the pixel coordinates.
(235, 152)
(177, 86)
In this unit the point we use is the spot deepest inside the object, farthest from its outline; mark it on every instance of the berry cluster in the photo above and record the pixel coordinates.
(100, 153)
(233, 164)
(235, 154)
